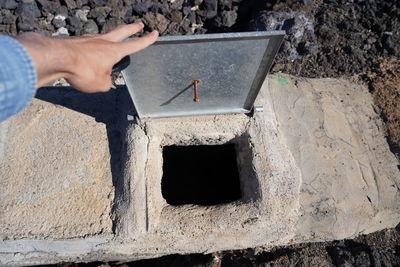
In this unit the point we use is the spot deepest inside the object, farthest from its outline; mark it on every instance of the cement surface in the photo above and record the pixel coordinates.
(314, 165)
(350, 179)
(55, 175)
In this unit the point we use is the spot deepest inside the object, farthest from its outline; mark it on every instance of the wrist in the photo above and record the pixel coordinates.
(61, 58)
(51, 57)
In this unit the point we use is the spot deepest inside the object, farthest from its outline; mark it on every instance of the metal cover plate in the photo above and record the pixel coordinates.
(231, 68)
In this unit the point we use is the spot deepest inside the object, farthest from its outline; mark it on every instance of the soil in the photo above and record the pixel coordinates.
(325, 38)
(384, 84)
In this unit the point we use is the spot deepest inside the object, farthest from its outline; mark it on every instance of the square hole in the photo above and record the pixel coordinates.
(202, 175)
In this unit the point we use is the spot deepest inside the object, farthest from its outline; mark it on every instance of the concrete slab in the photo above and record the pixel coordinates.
(55, 175)
(314, 165)
(350, 179)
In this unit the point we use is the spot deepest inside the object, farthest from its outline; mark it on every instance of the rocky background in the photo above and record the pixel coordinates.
(325, 38)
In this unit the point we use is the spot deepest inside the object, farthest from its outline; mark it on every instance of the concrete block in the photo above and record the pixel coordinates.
(55, 175)
(313, 165)
(269, 188)
(350, 179)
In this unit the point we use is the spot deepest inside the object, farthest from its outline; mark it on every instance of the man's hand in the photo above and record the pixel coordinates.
(86, 62)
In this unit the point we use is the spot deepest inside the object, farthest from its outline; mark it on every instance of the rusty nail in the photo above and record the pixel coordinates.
(196, 91)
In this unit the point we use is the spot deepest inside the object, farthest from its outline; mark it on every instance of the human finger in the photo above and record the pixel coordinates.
(132, 46)
(122, 32)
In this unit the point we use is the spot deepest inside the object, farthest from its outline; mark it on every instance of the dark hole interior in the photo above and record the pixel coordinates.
(202, 175)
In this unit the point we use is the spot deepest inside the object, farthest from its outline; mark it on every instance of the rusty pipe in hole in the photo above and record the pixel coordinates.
(196, 91)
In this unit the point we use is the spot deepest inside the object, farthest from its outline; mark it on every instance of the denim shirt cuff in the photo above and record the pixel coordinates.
(17, 77)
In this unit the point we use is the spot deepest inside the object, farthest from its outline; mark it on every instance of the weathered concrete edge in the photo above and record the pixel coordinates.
(97, 248)
(36, 252)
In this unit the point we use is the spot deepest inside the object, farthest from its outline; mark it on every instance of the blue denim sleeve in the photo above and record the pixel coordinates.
(17, 77)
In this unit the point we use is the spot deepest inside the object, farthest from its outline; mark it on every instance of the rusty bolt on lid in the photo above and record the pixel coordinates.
(196, 90)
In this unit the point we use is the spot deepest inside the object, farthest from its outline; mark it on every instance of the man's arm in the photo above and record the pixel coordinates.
(86, 62)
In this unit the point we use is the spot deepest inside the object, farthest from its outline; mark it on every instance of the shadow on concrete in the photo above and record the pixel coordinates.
(110, 108)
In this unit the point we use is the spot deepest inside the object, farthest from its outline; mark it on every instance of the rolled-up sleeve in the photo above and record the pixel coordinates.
(17, 77)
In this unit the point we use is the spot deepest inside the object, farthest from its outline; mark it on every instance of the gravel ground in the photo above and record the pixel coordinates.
(330, 38)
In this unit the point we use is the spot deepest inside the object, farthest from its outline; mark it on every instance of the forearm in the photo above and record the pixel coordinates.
(52, 57)
(32, 60)
(86, 62)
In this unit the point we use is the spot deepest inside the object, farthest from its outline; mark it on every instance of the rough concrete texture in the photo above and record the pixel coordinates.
(314, 165)
(350, 179)
(55, 175)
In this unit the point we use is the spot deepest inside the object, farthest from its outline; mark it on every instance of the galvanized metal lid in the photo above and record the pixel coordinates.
(230, 68)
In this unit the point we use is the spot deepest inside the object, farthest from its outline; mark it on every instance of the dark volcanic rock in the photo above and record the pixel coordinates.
(81, 15)
(71, 4)
(185, 25)
(228, 18)
(80, 3)
(90, 27)
(118, 10)
(75, 25)
(110, 24)
(28, 8)
(225, 4)
(177, 4)
(115, 3)
(121, 12)
(99, 11)
(50, 6)
(192, 17)
(58, 22)
(299, 40)
(198, 2)
(7, 17)
(95, 3)
(158, 8)
(141, 8)
(8, 4)
(63, 11)
(26, 24)
(100, 20)
(27, 12)
(44, 27)
(352, 38)
(391, 43)
(174, 28)
(210, 7)
(186, 10)
(155, 21)
(176, 16)
(324, 38)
